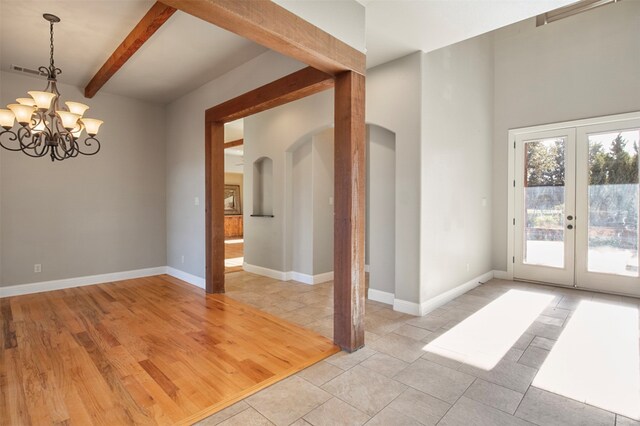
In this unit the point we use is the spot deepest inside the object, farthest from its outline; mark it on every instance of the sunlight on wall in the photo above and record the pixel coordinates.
(596, 359)
(485, 337)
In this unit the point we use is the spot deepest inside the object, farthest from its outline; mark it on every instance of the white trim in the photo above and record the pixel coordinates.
(501, 275)
(310, 279)
(186, 277)
(17, 290)
(406, 307)
(511, 165)
(380, 296)
(271, 273)
(435, 302)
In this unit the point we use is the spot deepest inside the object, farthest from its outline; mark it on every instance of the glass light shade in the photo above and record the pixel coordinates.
(43, 99)
(77, 131)
(23, 113)
(40, 127)
(77, 107)
(26, 101)
(69, 119)
(6, 118)
(92, 125)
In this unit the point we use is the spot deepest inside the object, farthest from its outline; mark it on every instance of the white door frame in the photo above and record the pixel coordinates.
(513, 133)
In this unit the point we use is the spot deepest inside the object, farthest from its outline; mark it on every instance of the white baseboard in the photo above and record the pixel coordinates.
(17, 290)
(380, 296)
(186, 277)
(502, 275)
(271, 273)
(406, 307)
(435, 302)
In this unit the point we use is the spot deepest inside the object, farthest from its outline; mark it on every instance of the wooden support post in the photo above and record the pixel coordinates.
(214, 206)
(349, 222)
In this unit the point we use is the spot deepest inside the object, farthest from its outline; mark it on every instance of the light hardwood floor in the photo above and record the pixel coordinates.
(145, 351)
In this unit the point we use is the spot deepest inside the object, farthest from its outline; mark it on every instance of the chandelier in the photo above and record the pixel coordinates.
(44, 127)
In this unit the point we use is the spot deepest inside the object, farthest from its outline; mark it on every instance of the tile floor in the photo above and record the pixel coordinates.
(394, 381)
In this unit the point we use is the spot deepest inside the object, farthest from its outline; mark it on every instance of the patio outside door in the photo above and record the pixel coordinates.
(576, 207)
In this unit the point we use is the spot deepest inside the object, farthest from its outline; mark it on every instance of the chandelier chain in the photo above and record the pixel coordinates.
(51, 46)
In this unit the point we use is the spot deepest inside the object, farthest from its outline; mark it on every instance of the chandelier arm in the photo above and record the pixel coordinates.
(90, 142)
(12, 137)
(24, 135)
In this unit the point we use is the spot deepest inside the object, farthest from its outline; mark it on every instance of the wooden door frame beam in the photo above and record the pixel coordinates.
(157, 15)
(273, 26)
(297, 85)
(231, 144)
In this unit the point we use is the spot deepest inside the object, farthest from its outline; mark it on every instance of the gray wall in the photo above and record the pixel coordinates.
(394, 102)
(323, 186)
(456, 164)
(579, 67)
(185, 156)
(277, 134)
(381, 208)
(302, 203)
(89, 215)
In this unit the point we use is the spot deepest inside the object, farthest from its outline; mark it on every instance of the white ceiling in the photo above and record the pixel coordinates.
(187, 52)
(397, 28)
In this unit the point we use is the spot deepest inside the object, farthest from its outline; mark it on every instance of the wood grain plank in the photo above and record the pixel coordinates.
(274, 27)
(349, 219)
(294, 86)
(231, 144)
(132, 358)
(214, 206)
(148, 25)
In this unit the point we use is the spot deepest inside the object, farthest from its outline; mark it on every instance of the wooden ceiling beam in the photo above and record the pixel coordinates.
(273, 26)
(148, 25)
(231, 144)
(297, 85)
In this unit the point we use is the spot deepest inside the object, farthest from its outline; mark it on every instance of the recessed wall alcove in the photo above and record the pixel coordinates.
(263, 187)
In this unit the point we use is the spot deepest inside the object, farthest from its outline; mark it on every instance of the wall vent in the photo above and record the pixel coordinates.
(25, 70)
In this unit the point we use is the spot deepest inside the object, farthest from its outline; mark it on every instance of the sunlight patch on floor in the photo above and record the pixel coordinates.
(597, 359)
(485, 337)
(236, 261)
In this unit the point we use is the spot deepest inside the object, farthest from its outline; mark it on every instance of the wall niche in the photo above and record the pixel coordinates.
(263, 187)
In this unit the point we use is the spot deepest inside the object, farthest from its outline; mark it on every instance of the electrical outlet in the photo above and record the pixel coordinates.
(182, 259)
(37, 268)
(196, 201)
(468, 267)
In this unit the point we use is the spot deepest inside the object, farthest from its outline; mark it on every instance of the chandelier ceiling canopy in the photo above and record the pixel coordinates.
(44, 127)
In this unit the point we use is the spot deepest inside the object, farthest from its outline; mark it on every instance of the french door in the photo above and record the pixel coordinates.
(576, 206)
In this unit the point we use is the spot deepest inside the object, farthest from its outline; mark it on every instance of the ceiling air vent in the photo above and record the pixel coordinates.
(25, 70)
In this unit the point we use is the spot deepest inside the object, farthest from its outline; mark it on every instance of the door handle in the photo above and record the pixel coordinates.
(569, 226)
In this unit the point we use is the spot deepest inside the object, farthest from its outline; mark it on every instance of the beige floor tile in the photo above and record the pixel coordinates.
(384, 364)
(248, 417)
(420, 406)
(225, 414)
(543, 343)
(435, 379)
(624, 421)
(389, 416)
(533, 357)
(429, 322)
(442, 360)
(345, 360)
(494, 396)
(300, 422)
(401, 347)
(412, 332)
(513, 354)
(545, 330)
(524, 341)
(288, 400)
(320, 373)
(545, 408)
(468, 412)
(506, 373)
(336, 412)
(549, 320)
(366, 390)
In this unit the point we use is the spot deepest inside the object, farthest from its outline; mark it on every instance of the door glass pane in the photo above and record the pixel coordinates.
(544, 196)
(613, 203)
